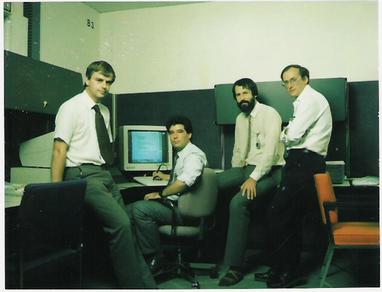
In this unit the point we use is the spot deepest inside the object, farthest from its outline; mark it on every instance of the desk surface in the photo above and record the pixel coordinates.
(14, 193)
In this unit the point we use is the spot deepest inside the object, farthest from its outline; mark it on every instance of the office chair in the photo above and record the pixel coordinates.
(198, 204)
(50, 229)
(342, 235)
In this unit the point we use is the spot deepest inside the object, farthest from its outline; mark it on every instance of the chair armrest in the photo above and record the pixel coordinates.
(350, 205)
(359, 206)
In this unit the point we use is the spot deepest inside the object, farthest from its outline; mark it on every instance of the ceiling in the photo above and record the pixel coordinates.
(103, 7)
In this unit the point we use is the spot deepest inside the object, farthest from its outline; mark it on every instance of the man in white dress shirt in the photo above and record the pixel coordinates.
(157, 207)
(256, 171)
(83, 150)
(306, 138)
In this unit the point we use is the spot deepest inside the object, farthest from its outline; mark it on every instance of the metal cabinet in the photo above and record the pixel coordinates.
(34, 86)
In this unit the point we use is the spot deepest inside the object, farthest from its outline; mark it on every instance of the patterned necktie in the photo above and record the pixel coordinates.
(104, 144)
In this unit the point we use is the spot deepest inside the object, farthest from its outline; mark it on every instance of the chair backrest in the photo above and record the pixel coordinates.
(201, 201)
(325, 193)
(51, 214)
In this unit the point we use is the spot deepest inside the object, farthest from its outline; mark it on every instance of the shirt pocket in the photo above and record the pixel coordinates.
(259, 140)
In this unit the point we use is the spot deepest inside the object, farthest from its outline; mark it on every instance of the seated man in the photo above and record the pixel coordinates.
(147, 214)
(256, 170)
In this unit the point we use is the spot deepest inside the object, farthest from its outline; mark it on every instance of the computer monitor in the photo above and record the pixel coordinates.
(144, 148)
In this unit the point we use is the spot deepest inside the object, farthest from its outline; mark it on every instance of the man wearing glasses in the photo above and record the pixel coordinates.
(306, 138)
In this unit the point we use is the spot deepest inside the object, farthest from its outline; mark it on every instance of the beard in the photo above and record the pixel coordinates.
(246, 106)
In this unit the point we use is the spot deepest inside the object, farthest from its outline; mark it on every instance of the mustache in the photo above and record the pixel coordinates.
(244, 103)
(246, 106)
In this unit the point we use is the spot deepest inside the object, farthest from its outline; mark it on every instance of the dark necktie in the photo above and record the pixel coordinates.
(104, 144)
(248, 138)
(172, 174)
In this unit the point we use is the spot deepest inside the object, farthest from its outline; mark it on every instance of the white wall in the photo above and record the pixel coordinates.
(198, 45)
(66, 40)
(16, 30)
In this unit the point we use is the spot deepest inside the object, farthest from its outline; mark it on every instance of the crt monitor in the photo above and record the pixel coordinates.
(144, 148)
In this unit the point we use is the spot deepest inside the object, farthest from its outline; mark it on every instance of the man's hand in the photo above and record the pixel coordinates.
(152, 196)
(160, 175)
(248, 188)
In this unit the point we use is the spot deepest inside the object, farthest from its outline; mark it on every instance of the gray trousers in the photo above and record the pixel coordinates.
(240, 208)
(146, 216)
(104, 199)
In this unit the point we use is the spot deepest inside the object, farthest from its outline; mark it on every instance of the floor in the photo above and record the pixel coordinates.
(353, 268)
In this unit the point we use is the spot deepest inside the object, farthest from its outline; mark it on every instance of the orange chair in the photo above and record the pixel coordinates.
(342, 235)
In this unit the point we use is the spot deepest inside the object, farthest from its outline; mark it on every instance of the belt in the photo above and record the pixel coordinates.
(103, 166)
(303, 150)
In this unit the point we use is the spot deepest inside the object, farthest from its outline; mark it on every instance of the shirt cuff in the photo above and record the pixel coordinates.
(188, 181)
(255, 175)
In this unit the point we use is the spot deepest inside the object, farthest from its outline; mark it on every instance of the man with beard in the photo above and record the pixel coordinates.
(256, 169)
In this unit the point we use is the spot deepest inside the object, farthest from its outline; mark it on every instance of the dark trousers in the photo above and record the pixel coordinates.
(294, 200)
(240, 208)
(104, 200)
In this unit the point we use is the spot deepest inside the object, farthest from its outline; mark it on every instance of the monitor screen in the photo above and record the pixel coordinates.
(144, 148)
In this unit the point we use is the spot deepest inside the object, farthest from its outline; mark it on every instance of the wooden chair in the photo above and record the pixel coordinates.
(342, 235)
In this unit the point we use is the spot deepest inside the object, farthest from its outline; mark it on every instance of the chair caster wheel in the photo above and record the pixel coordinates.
(195, 285)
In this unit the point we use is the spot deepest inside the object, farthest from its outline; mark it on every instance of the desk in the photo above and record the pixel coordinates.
(13, 196)
(348, 192)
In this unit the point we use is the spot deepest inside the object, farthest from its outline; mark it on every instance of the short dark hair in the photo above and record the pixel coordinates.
(245, 83)
(181, 120)
(303, 71)
(100, 66)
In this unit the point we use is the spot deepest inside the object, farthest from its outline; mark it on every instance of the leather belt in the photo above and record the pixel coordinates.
(303, 150)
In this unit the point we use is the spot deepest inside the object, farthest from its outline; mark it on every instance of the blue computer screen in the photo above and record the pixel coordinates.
(148, 146)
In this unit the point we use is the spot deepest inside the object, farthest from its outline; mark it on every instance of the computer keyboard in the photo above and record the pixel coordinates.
(149, 181)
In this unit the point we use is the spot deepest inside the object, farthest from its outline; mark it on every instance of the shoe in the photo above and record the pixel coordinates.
(232, 277)
(286, 279)
(156, 265)
(263, 277)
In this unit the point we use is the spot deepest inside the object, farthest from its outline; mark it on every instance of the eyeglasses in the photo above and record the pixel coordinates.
(291, 81)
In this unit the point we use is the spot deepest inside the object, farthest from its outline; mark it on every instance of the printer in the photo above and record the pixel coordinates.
(35, 156)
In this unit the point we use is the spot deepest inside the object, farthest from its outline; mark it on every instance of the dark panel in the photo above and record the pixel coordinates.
(336, 150)
(364, 130)
(29, 83)
(272, 93)
(20, 127)
(157, 107)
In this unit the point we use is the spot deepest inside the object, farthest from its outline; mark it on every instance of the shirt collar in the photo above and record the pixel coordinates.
(255, 109)
(303, 94)
(185, 150)
(88, 100)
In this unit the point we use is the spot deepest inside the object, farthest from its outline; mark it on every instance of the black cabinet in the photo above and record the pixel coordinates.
(34, 86)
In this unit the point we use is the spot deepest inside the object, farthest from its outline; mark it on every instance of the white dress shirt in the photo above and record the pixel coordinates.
(311, 125)
(189, 166)
(75, 125)
(266, 149)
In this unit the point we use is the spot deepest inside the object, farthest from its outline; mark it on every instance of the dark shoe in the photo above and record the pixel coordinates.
(263, 277)
(156, 265)
(231, 278)
(286, 279)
